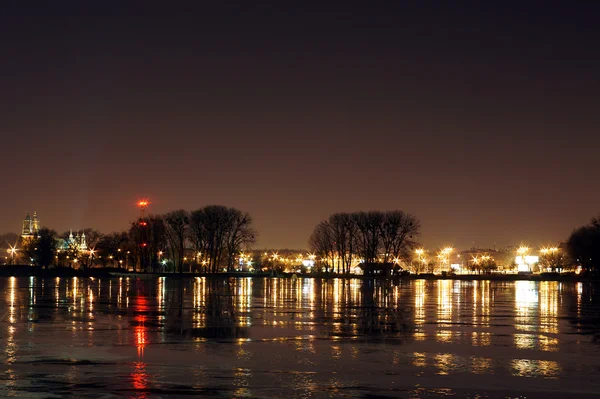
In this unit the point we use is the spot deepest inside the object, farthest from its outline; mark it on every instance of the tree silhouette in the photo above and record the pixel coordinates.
(42, 248)
(377, 237)
(176, 228)
(584, 245)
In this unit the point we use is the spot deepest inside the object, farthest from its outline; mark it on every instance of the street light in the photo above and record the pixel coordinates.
(551, 261)
(12, 251)
(445, 255)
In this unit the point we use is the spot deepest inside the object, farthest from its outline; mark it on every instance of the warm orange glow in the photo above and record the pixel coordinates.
(143, 203)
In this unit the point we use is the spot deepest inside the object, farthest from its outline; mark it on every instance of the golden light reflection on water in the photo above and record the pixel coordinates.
(419, 309)
(535, 368)
(526, 304)
(243, 305)
(481, 306)
(11, 301)
(549, 306)
(241, 378)
(445, 363)
(419, 359)
(329, 318)
(444, 301)
(481, 365)
(56, 291)
(579, 289)
(481, 338)
(199, 301)
(444, 335)
(419, 293)
(10, 345)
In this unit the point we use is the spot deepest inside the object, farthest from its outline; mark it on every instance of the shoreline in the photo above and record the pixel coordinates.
(28, 271)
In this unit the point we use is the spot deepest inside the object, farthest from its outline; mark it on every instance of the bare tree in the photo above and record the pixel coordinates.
(176, 228)
(219, 233)
(111, 247)
(344, 230)
(239, 233)
(322, 244)
(209, 235)
(42, 247)
(398, 233)
(368, 234)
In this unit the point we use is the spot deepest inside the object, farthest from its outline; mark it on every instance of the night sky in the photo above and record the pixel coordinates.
(481, 119)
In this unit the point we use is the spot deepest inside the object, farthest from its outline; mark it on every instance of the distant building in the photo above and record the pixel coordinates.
(31, 226)
(77, 242)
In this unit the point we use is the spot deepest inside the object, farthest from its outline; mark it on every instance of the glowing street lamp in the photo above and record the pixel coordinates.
(549, 250)
(551, 261)
(92, 253)
(444, 255)
(12, 251)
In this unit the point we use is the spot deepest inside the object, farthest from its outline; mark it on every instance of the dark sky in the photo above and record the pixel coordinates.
(481, 118)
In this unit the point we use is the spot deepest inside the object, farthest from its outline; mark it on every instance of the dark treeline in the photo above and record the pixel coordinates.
(374, 237)
(210, 237)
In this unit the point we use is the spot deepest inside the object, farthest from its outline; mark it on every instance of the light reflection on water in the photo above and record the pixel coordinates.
(255, 337)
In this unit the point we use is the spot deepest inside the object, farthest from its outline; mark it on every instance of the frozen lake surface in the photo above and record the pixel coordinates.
(287, 338)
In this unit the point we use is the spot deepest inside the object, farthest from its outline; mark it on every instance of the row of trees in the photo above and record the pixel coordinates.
(373, 237)
(214, 234)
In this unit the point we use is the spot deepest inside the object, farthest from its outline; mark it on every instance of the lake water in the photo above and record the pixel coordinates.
(287, 338)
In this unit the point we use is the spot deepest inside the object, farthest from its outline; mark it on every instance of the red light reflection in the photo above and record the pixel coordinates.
(140, 330)
(140, 380)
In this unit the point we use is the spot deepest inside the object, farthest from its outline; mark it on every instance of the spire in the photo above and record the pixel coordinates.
(35, 223)
(26, 230)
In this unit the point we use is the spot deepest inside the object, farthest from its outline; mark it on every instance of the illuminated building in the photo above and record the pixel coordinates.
(31, 225)
(525, 263)
(77, 242)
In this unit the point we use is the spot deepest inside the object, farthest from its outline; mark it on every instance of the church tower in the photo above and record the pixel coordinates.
(82, 243)
(26, 231)
(35, 224)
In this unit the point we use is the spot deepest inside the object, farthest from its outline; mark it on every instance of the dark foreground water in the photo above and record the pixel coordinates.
(287, 338)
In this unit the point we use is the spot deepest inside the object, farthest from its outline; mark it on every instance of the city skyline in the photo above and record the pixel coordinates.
(540, 245)
(478, 119)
